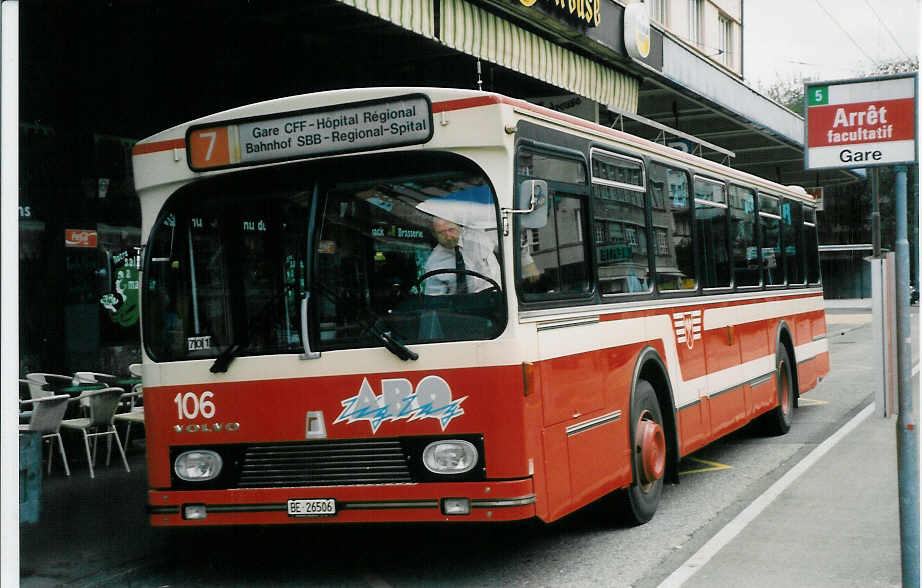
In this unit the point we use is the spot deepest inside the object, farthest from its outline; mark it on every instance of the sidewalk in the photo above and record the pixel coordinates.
(88, 529)
(836, 525)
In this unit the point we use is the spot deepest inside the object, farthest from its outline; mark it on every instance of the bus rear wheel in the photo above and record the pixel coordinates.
(638, 502)
(778, 421)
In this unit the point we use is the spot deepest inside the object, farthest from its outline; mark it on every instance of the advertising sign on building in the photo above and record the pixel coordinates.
(860, 123)
(79, 238)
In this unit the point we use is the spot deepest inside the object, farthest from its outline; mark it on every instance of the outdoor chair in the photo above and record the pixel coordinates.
(93, 378)
(102, 404)
(38, 380)
(25, 393)
(136, 370)
(134, 415)
(46, 418)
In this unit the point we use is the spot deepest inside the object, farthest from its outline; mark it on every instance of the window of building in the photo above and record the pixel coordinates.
(658, 10)
(694, 21)
(792, 238)
(745, 249)
(669, 190)
(770, 227)
(561, 267)
(725, 40)
(712, 233)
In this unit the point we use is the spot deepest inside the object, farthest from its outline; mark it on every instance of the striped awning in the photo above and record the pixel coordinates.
(474, 31)
(413, 15)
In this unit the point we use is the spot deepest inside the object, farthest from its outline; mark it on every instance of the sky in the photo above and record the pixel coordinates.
(825, 39)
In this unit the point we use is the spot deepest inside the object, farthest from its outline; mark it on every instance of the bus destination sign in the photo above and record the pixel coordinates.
(393, 122)
(860, 123)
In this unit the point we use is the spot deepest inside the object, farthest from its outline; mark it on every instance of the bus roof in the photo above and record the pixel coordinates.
(441, 100)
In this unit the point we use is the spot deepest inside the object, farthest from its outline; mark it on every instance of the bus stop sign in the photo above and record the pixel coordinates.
(860, 123)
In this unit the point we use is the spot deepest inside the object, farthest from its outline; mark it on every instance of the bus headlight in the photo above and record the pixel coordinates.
(200, 465)
(451, 456)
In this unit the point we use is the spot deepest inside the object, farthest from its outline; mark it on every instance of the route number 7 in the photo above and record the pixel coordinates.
(211, 136)
(208, 148)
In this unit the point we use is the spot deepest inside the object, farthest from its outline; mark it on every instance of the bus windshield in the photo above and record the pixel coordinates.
(405, 246)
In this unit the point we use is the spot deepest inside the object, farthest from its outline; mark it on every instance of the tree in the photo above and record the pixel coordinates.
(789, 92)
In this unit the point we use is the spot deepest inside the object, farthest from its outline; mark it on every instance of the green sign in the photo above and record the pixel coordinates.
(614, 253)
(123, 303)
(818, 96)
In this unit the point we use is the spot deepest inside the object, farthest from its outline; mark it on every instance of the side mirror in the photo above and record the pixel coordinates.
(531, 201)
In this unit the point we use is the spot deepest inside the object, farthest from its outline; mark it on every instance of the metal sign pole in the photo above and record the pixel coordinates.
(875, 211)
(907, 440)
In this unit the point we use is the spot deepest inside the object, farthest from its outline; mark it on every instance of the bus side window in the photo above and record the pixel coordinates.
(712, 232)
(619, 224)
(791, 237)
(744, 247)
(675, 261)
(552, 259)
(770, 228)
(811, 246)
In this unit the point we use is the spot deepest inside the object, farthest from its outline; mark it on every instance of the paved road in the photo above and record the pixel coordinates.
(581, 550)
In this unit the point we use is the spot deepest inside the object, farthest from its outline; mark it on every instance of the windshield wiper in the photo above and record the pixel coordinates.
(225, 358)
(390, 342)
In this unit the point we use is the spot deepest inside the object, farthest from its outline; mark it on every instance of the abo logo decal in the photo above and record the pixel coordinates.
(398, 401)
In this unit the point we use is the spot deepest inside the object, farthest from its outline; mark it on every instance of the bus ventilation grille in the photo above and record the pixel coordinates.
(325, 463)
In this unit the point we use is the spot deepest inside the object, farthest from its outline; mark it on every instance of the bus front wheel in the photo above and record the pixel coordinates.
(638, 502)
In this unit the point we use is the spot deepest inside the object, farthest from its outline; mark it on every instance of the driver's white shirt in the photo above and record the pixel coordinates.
(477, 251)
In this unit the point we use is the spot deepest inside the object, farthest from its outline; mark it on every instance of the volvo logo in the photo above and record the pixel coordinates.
(207, 428)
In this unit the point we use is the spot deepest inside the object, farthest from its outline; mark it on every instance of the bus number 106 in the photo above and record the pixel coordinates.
(190, 406)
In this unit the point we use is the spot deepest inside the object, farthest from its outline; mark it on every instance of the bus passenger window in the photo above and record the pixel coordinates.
(811, 246)
(675, 262)
(552, 259)
(712, 233)
(746, 270)
(770, 224)
(619, 225)
(794, 259)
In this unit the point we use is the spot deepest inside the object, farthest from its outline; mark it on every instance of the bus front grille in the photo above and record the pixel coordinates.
(325, 463)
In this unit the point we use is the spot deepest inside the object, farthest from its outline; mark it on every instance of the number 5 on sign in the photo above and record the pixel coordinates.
(818, 96)
(209, 147)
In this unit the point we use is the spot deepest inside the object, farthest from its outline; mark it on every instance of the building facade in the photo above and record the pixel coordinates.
(96, 76)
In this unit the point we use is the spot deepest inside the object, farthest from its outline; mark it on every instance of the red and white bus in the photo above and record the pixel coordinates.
(427, 304)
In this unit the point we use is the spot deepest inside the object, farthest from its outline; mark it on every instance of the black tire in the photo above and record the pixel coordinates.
(637, 504)
(778, 421)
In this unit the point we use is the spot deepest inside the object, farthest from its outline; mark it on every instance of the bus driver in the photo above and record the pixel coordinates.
(463, 249)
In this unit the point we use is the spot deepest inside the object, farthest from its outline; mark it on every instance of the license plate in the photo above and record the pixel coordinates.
(312, 507)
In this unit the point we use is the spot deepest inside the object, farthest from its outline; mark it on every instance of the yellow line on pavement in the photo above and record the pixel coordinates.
(712, 466)
(810, 401)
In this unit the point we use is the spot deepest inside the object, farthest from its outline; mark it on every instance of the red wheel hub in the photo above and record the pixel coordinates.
(652, 450)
